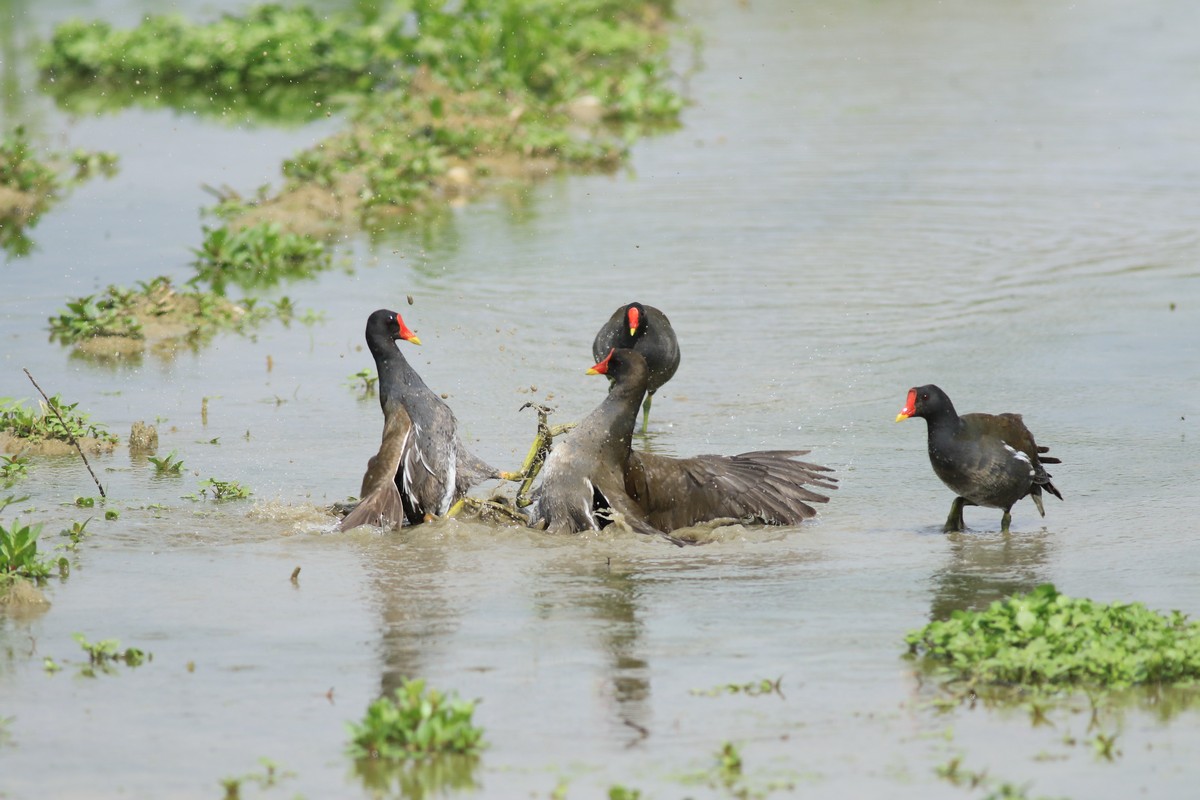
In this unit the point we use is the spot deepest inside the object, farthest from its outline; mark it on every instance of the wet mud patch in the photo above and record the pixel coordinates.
(54, 447)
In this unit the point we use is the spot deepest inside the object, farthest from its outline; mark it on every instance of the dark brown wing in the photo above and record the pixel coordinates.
(765, 487)
(381, 505)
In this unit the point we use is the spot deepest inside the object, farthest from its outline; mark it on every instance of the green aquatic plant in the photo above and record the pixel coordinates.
(20, 169)
(1045, 639)
(365, 381)
(257, 256)
(167, 465)
(224, 490)
(153, 312)
(107, 652)
(76, 533)
(416, 723)
(19, 552)
(89, 316)
(752, 688)
(43, 424)
(271, 775)
(619, 792)
(13, 468)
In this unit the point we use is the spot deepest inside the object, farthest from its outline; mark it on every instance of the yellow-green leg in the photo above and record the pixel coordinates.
(954, 521)
(646, 411)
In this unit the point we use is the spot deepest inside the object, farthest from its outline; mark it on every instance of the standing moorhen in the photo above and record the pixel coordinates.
(986, 459)
(648, 331)
(430, 467)
(594, 473)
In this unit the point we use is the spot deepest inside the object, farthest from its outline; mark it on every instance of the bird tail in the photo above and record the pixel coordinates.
(382, 508)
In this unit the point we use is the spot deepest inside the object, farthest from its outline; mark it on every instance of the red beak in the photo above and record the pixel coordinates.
(602, 367)
(910, 406)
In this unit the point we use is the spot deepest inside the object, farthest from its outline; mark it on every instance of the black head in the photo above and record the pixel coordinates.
(389, 325)
(927, 401)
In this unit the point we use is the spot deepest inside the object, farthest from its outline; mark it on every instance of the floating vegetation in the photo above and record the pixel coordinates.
(13, 468)
(167, 465)
(104, 654)
(122, 321)
(364, 382)
(418, 723)
(224, 490)
(257, 256)
(1047, 640)
(460, 92)
(44, 425)
(29, 185)
(753, 688)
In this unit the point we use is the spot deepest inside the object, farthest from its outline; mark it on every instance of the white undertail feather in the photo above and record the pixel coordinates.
(448, 497)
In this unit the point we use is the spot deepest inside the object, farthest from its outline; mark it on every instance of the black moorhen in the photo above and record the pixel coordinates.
(594, 473)
(432, 467)
(648, 331)
(986, 459)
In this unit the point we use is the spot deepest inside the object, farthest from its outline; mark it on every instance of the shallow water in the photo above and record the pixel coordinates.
(998, 198)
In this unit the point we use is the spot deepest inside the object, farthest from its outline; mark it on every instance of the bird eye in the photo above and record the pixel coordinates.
(925, 396)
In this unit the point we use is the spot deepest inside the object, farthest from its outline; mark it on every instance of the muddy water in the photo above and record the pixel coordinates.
(999, 199)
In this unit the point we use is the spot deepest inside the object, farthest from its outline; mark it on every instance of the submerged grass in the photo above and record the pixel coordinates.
(1047, 640)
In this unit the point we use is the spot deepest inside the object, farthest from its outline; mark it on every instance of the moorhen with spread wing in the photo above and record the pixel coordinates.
(429, 466)
(986, 459)
(648, 331)
(594, 473)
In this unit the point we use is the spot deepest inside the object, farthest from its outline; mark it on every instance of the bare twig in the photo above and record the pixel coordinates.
(66, 428)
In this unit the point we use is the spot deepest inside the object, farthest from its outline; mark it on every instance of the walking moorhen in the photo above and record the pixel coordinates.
(431, 467)
(594, 473)
(986, 459)
(648, 331)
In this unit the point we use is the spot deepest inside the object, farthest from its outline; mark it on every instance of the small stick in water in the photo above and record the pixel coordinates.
(78, 449)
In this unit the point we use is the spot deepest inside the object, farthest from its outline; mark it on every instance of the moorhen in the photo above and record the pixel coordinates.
(594, 472)
(430, 467)
(986, 459)
(648, 331)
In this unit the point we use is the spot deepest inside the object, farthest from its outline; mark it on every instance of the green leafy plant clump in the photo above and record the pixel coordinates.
(19, 552)
(155, 313)
(461, 92)
(1045, 639)
(43, 424)
(257, 256)
(418, 723)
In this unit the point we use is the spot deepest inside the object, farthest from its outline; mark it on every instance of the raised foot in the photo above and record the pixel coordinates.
(646, 412)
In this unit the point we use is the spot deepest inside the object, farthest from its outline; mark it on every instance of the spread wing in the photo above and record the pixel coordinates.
(764, 486)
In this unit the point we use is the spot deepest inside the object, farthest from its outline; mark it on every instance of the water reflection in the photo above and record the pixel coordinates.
(611, 596)
(416, 613)
(433, 777)
(984, 568)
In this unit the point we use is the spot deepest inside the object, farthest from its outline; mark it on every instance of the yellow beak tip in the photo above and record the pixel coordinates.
(415, 340)
(591, 372)
(901, 417)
